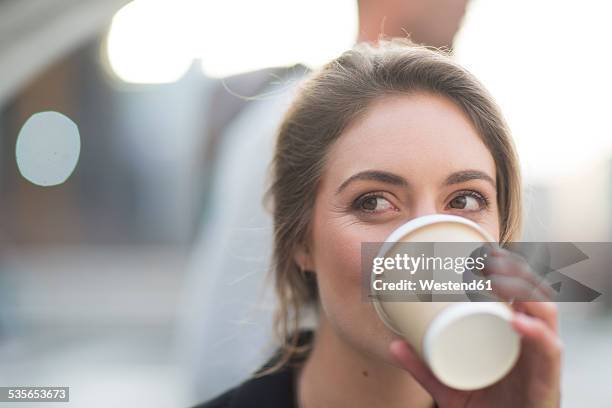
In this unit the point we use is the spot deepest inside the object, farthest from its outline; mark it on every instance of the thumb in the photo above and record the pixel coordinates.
(410, 361)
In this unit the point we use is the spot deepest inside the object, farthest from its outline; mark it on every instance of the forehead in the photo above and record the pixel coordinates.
(411, 135)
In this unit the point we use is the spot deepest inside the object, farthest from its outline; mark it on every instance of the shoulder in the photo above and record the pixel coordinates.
(266, 391)
(249, 83)
(221, 401)
(230, 95)
(237, 90)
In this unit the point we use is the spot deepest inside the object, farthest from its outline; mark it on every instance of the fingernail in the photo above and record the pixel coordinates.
(521, 318)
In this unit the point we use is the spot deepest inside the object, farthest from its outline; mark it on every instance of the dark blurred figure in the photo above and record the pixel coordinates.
(225, 330)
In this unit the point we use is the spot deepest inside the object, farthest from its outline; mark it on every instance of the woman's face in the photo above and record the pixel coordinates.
(408, 156)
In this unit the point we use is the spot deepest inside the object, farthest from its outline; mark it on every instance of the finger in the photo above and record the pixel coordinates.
(538, 332)
(547, 311)
(515, 266)
(526, 271)
(513, 288)
(409, 360)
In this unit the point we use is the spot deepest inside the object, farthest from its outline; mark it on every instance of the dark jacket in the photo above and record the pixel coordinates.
(269, 391)
(275, 390)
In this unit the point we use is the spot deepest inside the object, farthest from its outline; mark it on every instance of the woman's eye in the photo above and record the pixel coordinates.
(374, 204)
(467, 202)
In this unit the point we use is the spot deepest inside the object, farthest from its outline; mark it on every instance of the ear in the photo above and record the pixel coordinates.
(303, 257)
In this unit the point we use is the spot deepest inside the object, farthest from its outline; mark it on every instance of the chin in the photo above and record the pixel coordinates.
(369, 336)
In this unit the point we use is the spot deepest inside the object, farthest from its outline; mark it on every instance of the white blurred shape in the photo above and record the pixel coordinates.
(245, 35)
(48, 148)
(546, 64)
(150, 42)
(155, 41)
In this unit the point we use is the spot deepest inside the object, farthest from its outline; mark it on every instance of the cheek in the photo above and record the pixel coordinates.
(337, 262)
(336, 258)
(337, 245)
(337, 255)
(337, 241)
(491, 224)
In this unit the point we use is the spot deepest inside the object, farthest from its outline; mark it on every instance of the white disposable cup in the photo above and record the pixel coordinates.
(467, 345)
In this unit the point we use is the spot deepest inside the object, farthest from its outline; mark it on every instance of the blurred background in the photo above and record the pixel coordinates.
(96, 243)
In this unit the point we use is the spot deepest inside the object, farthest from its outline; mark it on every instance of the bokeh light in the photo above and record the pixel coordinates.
(48, 148)
(545, 65)
(156, 41)
(246, 35)
(149, 42)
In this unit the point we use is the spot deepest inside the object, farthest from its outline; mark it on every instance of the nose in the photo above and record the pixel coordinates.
(423, 206)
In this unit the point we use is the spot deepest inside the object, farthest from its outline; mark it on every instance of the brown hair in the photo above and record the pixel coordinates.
(334, 97)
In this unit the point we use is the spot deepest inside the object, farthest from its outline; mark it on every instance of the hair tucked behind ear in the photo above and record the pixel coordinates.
(326, 104)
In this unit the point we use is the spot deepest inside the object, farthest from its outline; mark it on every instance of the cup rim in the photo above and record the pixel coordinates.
(454, 313)
(407, 228)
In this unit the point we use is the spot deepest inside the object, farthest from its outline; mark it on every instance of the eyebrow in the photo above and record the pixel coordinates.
(375, 175)
(394, 179)
(467, 175)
